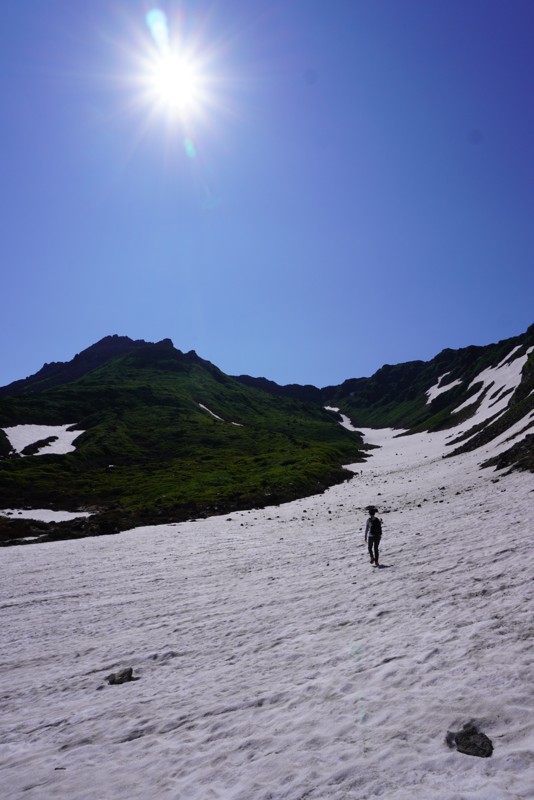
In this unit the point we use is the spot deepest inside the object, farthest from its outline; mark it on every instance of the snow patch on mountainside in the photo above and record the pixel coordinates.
(216, 416)
(345, 421)
(497, 384)
(20, 436)
(440, 388)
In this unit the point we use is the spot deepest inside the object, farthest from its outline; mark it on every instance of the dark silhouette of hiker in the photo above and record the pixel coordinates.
(373, 534)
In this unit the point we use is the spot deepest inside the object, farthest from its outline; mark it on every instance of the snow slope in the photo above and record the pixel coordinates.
(273, 662)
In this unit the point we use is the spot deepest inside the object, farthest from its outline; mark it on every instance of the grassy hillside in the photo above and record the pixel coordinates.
(150, 452)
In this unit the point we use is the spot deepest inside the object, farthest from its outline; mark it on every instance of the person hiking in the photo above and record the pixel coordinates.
(373, 534)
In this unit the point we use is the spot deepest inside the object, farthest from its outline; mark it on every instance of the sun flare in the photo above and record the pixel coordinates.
(176, 83)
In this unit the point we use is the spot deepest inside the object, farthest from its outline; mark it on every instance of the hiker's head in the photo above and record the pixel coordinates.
(372, 510)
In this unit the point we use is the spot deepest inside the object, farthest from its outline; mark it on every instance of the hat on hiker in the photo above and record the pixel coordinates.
(371, 508)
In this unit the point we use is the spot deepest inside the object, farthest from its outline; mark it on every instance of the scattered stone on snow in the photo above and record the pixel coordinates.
(470, 741)
(122, 676)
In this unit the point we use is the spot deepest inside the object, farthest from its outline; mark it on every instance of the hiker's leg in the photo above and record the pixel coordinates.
(376, 542)
(370, 547)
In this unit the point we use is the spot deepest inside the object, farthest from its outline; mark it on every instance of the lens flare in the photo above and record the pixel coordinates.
(157, 23)
(189, 148)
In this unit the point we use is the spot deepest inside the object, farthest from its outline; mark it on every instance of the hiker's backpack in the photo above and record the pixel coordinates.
(376, 527)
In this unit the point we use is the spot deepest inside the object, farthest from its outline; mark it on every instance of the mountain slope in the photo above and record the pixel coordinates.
(427, 395)
(137, 432)
(478, 392)
(166, 435)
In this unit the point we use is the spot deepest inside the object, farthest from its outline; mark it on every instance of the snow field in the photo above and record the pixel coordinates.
(274, 662)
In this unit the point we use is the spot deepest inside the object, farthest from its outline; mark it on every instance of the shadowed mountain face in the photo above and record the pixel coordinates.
(61, 372)
(165, 435)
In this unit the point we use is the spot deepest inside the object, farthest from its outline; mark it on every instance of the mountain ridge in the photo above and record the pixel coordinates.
(166, 435)
(57, 373)
(397, 395)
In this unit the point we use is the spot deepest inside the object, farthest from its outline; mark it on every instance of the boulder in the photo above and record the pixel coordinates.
(122, 676)
(470, 741)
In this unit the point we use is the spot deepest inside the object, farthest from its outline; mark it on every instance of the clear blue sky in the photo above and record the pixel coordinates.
(362, 189)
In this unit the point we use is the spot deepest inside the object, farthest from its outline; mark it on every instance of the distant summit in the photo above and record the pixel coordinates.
(57, 373)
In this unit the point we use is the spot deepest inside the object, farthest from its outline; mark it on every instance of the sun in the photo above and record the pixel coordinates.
(176, 83)
(181, 78)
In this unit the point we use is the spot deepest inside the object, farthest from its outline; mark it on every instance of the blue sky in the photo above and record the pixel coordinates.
(361, 193)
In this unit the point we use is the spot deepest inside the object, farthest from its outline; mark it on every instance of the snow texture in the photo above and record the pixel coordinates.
(273, 662)
(20, 436)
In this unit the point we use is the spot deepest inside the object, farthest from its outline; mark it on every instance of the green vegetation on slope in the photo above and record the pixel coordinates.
(150, 452)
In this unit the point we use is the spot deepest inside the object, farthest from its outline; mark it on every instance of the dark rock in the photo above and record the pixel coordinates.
(15, 530)
(470, 741)
(33, 449)
(519, 457)
(122, 676)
